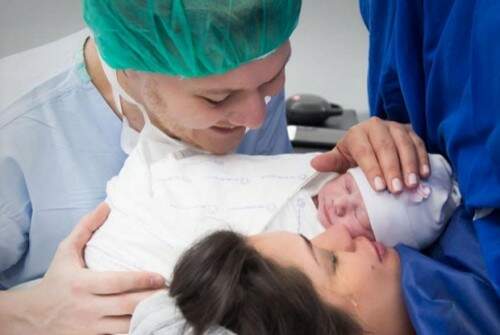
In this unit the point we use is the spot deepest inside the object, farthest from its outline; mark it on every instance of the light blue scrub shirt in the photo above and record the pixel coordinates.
(59, 145)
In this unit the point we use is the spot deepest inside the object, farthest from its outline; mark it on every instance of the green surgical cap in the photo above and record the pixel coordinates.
(188, 38)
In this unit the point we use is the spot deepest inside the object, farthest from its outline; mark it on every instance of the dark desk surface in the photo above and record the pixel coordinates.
(309, 139)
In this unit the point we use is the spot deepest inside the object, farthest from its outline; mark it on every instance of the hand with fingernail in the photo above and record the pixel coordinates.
(414, 217)
(391, 154)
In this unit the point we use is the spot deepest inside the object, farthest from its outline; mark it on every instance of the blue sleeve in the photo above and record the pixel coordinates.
(436, 64)
(447, 290)
(485, 190)
(15, 213)
(272, 138)
(364, 9)
(275, 137)
(488, 233)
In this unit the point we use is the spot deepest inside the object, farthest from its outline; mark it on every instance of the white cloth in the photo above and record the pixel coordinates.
(159, 209)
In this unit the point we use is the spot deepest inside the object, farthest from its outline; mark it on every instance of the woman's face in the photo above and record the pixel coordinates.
(354, 274)
(212, 112)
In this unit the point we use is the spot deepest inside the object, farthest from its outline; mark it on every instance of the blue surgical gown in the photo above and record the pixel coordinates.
(436, 65)
(59, 145)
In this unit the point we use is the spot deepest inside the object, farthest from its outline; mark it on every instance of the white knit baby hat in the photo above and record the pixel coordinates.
(413, 217)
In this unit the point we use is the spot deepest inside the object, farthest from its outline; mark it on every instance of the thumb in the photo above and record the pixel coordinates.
(332, 160)
(83, 231)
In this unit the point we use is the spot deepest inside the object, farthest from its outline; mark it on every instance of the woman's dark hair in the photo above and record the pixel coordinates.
(222, 280)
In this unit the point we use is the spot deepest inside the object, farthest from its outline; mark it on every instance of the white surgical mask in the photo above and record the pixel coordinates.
(129, 136)
(152, 142)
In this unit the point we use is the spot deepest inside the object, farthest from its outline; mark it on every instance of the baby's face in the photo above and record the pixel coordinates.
(340, 202)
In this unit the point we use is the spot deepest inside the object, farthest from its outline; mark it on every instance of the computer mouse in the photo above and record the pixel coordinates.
(310, 110)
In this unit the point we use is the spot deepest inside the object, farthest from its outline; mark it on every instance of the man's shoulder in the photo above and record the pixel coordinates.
(44, 88)
(42, 100)
(21, 73)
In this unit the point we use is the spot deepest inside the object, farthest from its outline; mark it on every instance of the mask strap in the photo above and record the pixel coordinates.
(118, 91)
(113, 82)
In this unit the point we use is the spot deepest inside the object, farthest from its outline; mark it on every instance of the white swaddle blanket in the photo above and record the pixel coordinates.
(169, 195)
(159, 207)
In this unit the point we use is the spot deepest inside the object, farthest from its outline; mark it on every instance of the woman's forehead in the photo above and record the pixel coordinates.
(274, 243)
(286, 248)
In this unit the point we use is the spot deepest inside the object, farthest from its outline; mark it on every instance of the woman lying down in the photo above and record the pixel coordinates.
(290, 251)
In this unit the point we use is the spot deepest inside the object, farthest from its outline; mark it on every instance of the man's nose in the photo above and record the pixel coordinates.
(249, 112)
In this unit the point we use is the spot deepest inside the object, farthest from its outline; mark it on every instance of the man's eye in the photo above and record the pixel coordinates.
(214, 101)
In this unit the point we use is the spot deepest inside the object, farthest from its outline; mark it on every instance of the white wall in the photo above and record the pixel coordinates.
(329, 55)
(25, 24)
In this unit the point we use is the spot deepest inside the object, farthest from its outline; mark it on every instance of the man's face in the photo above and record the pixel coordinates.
(212, 113)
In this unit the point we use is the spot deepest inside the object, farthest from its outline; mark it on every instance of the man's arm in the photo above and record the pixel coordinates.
(71, 299)
(15, 213)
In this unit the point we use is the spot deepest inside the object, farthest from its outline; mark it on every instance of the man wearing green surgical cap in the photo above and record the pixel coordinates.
(208, 74)
(201, 70)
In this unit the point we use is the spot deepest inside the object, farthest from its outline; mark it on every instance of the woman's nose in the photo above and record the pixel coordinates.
(335, 238)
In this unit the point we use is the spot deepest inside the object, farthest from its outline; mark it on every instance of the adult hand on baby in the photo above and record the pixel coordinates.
(384, 150)
(71, 299)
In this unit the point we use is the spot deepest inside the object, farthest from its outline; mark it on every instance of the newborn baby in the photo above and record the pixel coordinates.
(161, 205)
(414, 217)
